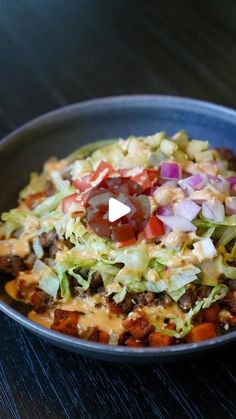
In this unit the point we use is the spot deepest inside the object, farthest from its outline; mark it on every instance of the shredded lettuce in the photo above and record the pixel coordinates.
(48, 205)
(48, 280)
(37, 248)
(217, 293)
(62, 186)
(135, 258)
(162, 256)
(182, 276)
(176, 294)
(16, 219)
(229, 271)
(211, 271)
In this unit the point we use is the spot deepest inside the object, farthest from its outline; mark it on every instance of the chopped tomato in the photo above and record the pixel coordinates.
(128, 187)
(112, 184)
(84, 198)
(99, 224)
(82, 183)
(126, 243)
(154, 175)
(127, 173)
(70, 204)
(123, 233)
(103, 171)
(135, 211)
(137, 225)
(142, 179)
(154, 228)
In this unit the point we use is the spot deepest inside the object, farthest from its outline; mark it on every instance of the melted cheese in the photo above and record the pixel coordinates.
(14, 247)
(10, 288)
(157, 314)
(44, 319)
(93, 316)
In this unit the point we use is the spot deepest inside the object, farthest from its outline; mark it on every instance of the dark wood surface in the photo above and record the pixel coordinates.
(55, 52)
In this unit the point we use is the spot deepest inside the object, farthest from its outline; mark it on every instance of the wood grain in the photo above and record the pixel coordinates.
(54, 53)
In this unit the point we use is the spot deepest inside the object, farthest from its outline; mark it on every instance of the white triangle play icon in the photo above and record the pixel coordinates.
(116, 209)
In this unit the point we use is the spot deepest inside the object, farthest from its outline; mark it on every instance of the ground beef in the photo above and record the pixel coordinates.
(41, 301)
(144, 298)
(187, 300)
(66, 176)
(54, 248)
(96, 284)
(48, 239)
(29, 261)
(232, 284)
(73, 285)
(11, 264)
(68, 243)
(203, 291)
(125, 306)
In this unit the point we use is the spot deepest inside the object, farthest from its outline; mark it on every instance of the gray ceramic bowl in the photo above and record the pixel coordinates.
(59, 133)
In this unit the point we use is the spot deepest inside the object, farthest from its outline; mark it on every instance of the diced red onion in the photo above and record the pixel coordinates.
(185, 186)
(170, 170)
(197, 181)
(177, 223)
(213, 211)
(232, 181)
(221, 184)
(193, 183)
(187, 209)
(170, 182)
(230, 205)
(167, 210)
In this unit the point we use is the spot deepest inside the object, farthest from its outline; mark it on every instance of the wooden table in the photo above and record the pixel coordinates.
(57, 52)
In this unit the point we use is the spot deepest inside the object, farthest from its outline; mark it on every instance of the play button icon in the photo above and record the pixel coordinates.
(117, 210)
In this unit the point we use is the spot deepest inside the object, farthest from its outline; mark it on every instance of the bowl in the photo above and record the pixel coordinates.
(59, 133)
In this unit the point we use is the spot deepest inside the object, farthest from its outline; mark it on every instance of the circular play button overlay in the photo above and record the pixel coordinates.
(118, 209)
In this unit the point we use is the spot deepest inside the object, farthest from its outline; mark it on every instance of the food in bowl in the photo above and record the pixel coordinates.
(162, 274)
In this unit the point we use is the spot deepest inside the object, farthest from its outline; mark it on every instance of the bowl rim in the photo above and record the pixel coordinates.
(89, 347)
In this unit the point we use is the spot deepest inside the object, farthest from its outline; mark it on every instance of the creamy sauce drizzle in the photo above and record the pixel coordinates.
(10, 288)
(14, 247)
(93, 316)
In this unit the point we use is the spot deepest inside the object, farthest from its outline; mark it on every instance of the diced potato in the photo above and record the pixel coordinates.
(168, 147)
(204, 155)
(154, 140)
(196, 146)
(181, 139)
